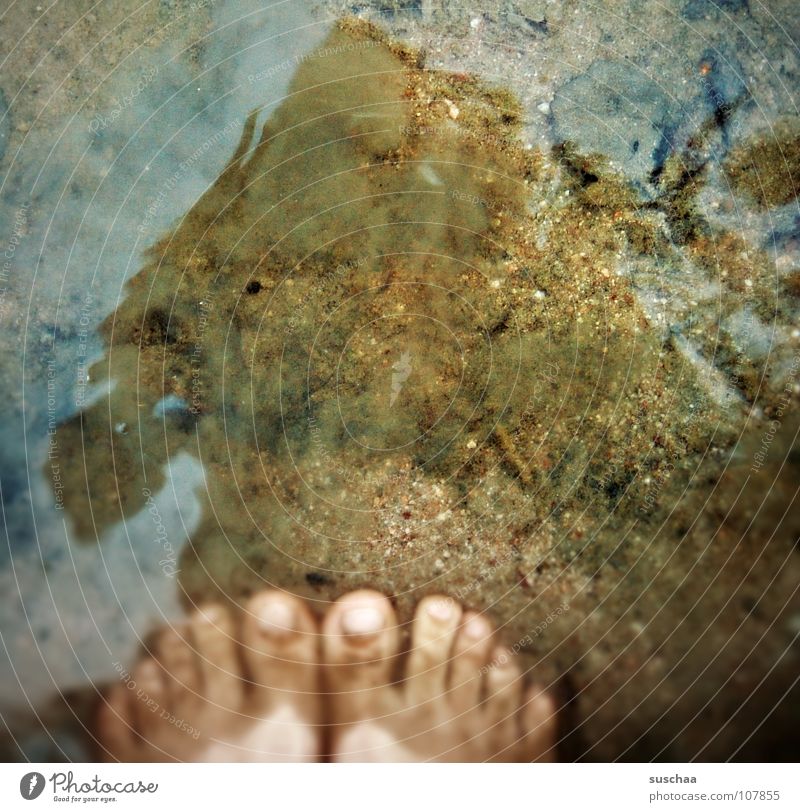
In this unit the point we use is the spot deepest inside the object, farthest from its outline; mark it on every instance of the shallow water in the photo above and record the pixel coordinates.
(363, 304)
(394, 343)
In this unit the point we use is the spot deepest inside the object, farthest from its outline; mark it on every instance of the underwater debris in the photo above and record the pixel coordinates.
(511, 457)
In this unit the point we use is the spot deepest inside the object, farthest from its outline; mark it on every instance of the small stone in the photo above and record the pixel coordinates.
(544, 108)
(438, 565)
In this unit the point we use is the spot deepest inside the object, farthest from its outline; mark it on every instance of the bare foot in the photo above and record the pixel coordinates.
(452, 705)
(222, 690)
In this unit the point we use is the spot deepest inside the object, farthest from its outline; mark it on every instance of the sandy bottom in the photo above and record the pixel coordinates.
(408, 353)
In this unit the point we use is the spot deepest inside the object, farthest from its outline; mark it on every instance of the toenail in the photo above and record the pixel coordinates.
(362, 620)
(276, 618)
(476, 627)
(441, 609)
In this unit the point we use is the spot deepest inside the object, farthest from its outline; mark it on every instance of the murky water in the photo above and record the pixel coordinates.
(395, 344)
(371, 300)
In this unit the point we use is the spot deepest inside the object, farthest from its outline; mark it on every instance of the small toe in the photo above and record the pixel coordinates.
(360, 642)
(470, 657)
(432, 635)
(116, 734)
(280, 642)
(538, 720)
(148, 694)
(503, 694)
(182, 677)
(211, 630)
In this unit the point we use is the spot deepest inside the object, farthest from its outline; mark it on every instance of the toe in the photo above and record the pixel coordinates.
(177, 657)
(538, 719)
(435, 625)
(115, 729)
(503, 694)
(149, 694)
(211, 631)
(280, 643)
(360, 641)
(470, 657)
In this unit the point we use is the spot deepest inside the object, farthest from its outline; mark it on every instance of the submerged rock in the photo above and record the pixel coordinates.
(614, 109)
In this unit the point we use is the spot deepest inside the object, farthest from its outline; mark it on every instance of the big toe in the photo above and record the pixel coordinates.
(360, 642)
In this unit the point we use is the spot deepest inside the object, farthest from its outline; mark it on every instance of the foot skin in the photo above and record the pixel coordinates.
(220, 690)
(460, 698)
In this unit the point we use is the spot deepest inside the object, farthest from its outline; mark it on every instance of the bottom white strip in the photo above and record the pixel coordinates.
(398, 788)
